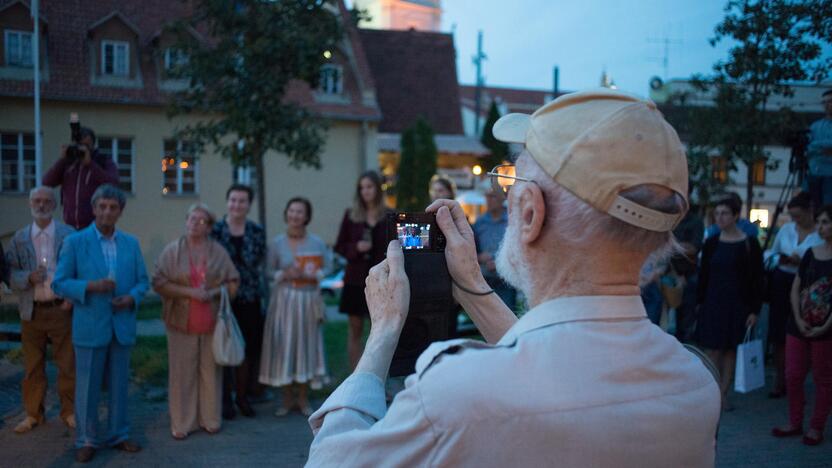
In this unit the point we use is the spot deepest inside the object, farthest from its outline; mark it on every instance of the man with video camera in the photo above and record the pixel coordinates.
(79, 171)
(583, 378)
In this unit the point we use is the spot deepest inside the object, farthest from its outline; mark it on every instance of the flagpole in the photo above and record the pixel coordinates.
(36, 57)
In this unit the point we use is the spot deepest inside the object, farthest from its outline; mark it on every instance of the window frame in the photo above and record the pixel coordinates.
(325, 81)
(168, 60)
(7, 51)
(719, 169)
(758, 172)
(115, 45)
(20, 175)
(114, 154)
(180, 172)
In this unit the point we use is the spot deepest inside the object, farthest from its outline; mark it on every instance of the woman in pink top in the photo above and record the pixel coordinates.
(189, 275)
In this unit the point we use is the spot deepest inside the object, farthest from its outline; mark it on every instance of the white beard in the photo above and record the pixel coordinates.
(511, 266)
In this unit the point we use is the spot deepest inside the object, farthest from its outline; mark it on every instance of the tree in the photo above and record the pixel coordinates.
(499, 149)
(239, 76)
(776, 44)
(417, 166)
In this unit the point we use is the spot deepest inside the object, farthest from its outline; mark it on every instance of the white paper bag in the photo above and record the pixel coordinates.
(228, 345)
(750, 372)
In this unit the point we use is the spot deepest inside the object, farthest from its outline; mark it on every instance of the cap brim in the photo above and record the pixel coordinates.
(512, 128)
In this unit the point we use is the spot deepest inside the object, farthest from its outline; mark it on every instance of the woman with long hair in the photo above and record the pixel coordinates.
(362, 241)
(728, 293)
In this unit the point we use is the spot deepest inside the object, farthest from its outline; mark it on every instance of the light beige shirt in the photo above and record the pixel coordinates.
(43, 241)
(579, 381)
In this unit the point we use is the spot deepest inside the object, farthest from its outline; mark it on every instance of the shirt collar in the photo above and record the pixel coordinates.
(577, 308)
(101, 236)
(49, 229)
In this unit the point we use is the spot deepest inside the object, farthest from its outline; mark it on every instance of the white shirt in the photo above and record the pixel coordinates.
(577, 381)
(43, 240)
(109, 249)
(786, 243)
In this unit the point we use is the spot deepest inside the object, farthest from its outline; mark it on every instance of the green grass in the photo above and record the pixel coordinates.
(9, 314)
(149, 360)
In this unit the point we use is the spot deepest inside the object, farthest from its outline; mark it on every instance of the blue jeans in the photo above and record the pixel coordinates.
(820, 188)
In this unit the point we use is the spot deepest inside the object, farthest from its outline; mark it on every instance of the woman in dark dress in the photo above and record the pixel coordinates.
(245, 242)
(362, 240)
(809, 337)
(728, 293)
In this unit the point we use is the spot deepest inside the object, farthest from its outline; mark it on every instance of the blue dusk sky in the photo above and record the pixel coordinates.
(524, 39)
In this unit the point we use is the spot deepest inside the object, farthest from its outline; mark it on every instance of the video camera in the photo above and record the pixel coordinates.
(73, 151)
(431, 296)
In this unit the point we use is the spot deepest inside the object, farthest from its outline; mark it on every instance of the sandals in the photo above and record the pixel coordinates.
(282, 411)
(179, 435)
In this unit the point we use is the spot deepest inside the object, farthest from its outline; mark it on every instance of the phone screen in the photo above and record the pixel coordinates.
(413, 236)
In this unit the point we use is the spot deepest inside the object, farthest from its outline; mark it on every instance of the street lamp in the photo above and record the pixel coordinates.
(477, 170)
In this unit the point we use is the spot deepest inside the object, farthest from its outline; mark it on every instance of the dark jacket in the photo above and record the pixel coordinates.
(78, 184)
(359, 264)
(749, 269)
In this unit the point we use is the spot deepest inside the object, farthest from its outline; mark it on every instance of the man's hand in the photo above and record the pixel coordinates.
(751, 320)
(363, 246)
(66, 306)
(37, 277)
(388, 292)
(123, 302)
(101, 286)
(460, 248)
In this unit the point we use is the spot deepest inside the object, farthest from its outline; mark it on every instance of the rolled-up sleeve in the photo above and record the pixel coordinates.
(355, 428)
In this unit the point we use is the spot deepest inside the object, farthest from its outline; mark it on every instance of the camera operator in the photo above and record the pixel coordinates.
(80, 173)
(583, 378)
(819, 154)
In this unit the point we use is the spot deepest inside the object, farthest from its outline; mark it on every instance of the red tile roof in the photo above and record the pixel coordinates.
(514, 99)
(415, 75)
(69, 60)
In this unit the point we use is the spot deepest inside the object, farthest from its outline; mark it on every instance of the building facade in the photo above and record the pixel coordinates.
(106, 60)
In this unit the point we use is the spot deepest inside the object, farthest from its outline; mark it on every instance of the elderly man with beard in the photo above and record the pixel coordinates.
(32, 257)
(583, 378)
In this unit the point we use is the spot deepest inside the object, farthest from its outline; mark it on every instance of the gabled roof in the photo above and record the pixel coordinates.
(25, 5)
(520, 100)
(415, 75)
(69, 70)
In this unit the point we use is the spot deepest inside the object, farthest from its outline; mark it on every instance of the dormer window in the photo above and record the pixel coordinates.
(115, 58)
(332, 79)
(18, 45)
(175, 58)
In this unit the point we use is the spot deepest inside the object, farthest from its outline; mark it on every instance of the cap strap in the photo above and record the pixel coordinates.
(643, 217)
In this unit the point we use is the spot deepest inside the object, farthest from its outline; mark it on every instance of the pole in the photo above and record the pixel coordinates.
(555, 82)
(36, 58)
(478, 88)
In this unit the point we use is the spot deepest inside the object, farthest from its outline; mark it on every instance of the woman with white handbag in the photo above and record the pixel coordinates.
(190, 275)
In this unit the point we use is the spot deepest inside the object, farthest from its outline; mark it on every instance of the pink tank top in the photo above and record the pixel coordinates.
(200, 317)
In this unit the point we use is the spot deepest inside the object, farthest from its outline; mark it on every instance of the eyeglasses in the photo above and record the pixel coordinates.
(502, 177)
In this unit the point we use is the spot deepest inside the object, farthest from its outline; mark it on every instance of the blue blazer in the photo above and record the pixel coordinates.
(94, 322)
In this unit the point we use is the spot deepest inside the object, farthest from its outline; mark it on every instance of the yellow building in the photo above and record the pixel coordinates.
(111, 72)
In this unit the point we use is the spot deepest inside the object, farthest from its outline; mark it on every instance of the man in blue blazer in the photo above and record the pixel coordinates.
(101, 270)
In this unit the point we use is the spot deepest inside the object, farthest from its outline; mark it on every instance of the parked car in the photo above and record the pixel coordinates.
(332, 285)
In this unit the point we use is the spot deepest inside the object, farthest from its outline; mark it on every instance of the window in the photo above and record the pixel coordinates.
(18, 45)
(17, 152)
(245, 175)
(175, 58)
(331, 80)
(758, 172)
(115, 58)
(179, 168)
(121, 150)
(720, 169)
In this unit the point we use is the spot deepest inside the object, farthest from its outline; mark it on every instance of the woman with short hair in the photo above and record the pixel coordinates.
(293, 344)
(189, 274)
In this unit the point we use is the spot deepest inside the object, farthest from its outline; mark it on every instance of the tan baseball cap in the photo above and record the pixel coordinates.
(598, 143)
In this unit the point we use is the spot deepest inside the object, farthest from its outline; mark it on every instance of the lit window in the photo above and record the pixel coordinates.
(18, 46)
(180, 167)
(720, 169)
(759, 215)
(331, 80)
(115, 58)
(175, 58)
(121, 151)
(17, 152)
(758, 172)
(246, 175)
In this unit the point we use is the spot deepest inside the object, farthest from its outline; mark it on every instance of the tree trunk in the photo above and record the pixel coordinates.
(261, 186)
(749, 190)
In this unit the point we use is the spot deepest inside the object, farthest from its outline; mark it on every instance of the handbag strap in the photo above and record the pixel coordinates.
(747, 334)
(225, 302)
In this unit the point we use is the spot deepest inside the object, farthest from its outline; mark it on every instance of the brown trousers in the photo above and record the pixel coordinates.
(194, 383)
(53, 324)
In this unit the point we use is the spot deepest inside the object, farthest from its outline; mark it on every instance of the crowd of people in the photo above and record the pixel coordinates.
(595, 271)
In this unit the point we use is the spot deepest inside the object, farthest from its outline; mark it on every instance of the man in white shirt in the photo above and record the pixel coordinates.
(583, 379)
(32, 257)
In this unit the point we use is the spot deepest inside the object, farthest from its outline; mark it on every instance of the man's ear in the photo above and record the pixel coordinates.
(532, 209)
